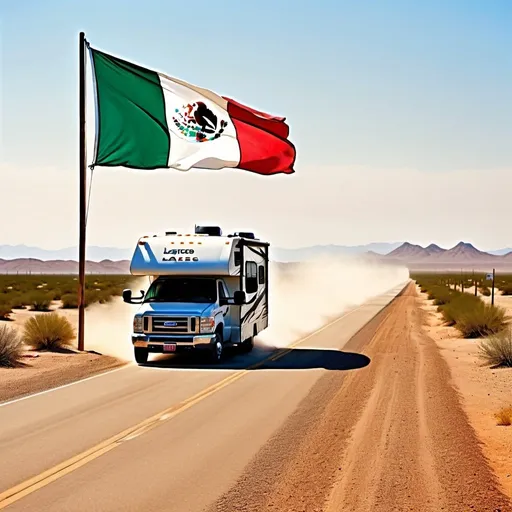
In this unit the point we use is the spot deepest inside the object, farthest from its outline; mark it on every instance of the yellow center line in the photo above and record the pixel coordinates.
(46, 477)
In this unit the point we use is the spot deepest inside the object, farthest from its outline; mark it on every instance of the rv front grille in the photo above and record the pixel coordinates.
(172, 324)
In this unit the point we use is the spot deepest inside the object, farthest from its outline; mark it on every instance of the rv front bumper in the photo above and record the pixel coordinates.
(156, 343)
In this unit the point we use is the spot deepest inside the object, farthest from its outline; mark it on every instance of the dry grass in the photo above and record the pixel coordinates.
(504, 417)
(497, 349)
(48, 332)
(11, 347)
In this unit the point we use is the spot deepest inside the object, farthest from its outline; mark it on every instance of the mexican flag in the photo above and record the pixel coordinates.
(148, 120)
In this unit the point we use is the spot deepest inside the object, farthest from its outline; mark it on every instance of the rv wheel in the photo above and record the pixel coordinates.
(141, 355)
(247, 345)
(217, 349)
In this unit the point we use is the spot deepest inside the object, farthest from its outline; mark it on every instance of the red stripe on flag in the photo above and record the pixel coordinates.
(267, 122)
(263, 152)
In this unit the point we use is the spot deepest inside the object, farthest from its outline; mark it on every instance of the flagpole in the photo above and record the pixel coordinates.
(82, 192)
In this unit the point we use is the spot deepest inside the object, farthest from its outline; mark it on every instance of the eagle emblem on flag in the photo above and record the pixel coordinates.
(196, 121)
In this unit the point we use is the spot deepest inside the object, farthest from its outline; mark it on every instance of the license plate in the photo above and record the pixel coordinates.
(169, 347)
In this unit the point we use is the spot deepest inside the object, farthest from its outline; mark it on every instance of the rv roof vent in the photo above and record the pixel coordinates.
(245, 234)
(208, 230)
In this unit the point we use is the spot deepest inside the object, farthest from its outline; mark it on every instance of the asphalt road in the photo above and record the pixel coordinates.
(173, 435)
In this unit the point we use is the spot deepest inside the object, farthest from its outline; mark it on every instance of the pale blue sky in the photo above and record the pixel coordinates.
(419, 85)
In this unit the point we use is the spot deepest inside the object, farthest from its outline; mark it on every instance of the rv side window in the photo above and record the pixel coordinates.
(251, 277)
(261, 270)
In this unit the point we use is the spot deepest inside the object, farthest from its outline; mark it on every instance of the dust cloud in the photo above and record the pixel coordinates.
(108, 327)
(305, 296)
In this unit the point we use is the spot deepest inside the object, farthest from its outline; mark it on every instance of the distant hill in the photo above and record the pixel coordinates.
(409, 251)
(35, 266)
(93, 253)
(434, 249)
(433, 257)
(306, 253)
(415, 257)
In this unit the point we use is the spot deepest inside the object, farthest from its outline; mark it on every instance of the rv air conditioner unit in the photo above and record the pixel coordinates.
(208, 230)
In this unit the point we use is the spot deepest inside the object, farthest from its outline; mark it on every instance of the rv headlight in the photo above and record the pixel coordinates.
(138, 324)
(208, 324)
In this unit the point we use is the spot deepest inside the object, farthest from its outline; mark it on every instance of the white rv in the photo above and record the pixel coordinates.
(207, 292)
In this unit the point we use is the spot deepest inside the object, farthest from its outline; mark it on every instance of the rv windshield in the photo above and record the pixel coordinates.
(202, 291)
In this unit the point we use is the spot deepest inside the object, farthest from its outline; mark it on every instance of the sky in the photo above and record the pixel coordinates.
(400, 111)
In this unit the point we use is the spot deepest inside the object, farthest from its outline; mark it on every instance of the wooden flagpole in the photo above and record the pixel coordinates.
(82, 191)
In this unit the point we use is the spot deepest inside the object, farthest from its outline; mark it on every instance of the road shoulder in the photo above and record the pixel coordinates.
(47, 370)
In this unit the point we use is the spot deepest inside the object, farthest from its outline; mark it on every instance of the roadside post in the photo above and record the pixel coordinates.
(491, 277)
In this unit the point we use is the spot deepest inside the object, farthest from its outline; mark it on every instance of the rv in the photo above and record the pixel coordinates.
(208, 292)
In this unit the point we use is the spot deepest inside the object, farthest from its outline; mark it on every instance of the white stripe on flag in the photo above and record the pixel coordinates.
(186, 151)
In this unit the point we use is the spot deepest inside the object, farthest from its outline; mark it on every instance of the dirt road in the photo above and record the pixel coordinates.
(374, 427)
(390, 437)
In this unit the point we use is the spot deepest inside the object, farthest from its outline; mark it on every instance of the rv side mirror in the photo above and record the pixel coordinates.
(127, 296)
(239, 298)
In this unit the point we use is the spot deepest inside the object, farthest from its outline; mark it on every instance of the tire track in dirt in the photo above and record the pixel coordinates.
(388, 437)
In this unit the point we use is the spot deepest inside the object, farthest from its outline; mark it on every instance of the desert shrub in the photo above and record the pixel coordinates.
(48, 332)
(485, 290)
(69, 300)
(506, 289)
(11, 347)
(5, 310)
(497, 349)
(474, 318)
(39, 301)
(55, 294)
(504, 417)
(18, 300)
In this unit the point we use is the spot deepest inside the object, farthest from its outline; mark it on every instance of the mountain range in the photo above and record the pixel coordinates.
(23, 259)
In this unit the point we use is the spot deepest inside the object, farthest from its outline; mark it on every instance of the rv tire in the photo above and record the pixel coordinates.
(247, 345)
(141, 355)
(217, 349)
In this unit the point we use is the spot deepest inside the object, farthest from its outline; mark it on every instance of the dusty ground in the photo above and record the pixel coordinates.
(48, 370)
(484, 391)
(392, 436)
(44, 370)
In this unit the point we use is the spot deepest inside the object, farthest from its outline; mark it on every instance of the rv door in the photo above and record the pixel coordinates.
(254, 279)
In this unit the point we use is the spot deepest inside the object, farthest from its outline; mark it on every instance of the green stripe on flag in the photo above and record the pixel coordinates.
(132, 128)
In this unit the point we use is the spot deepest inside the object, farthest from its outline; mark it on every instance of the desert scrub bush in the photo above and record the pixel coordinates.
(504, 417)
(11, 347)
(39, 301)
(69, 300)
(48, 332)
(485, 290)
(497, 349)
(506, 289)
(5, 310)
(18, 300)
(474, 318)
